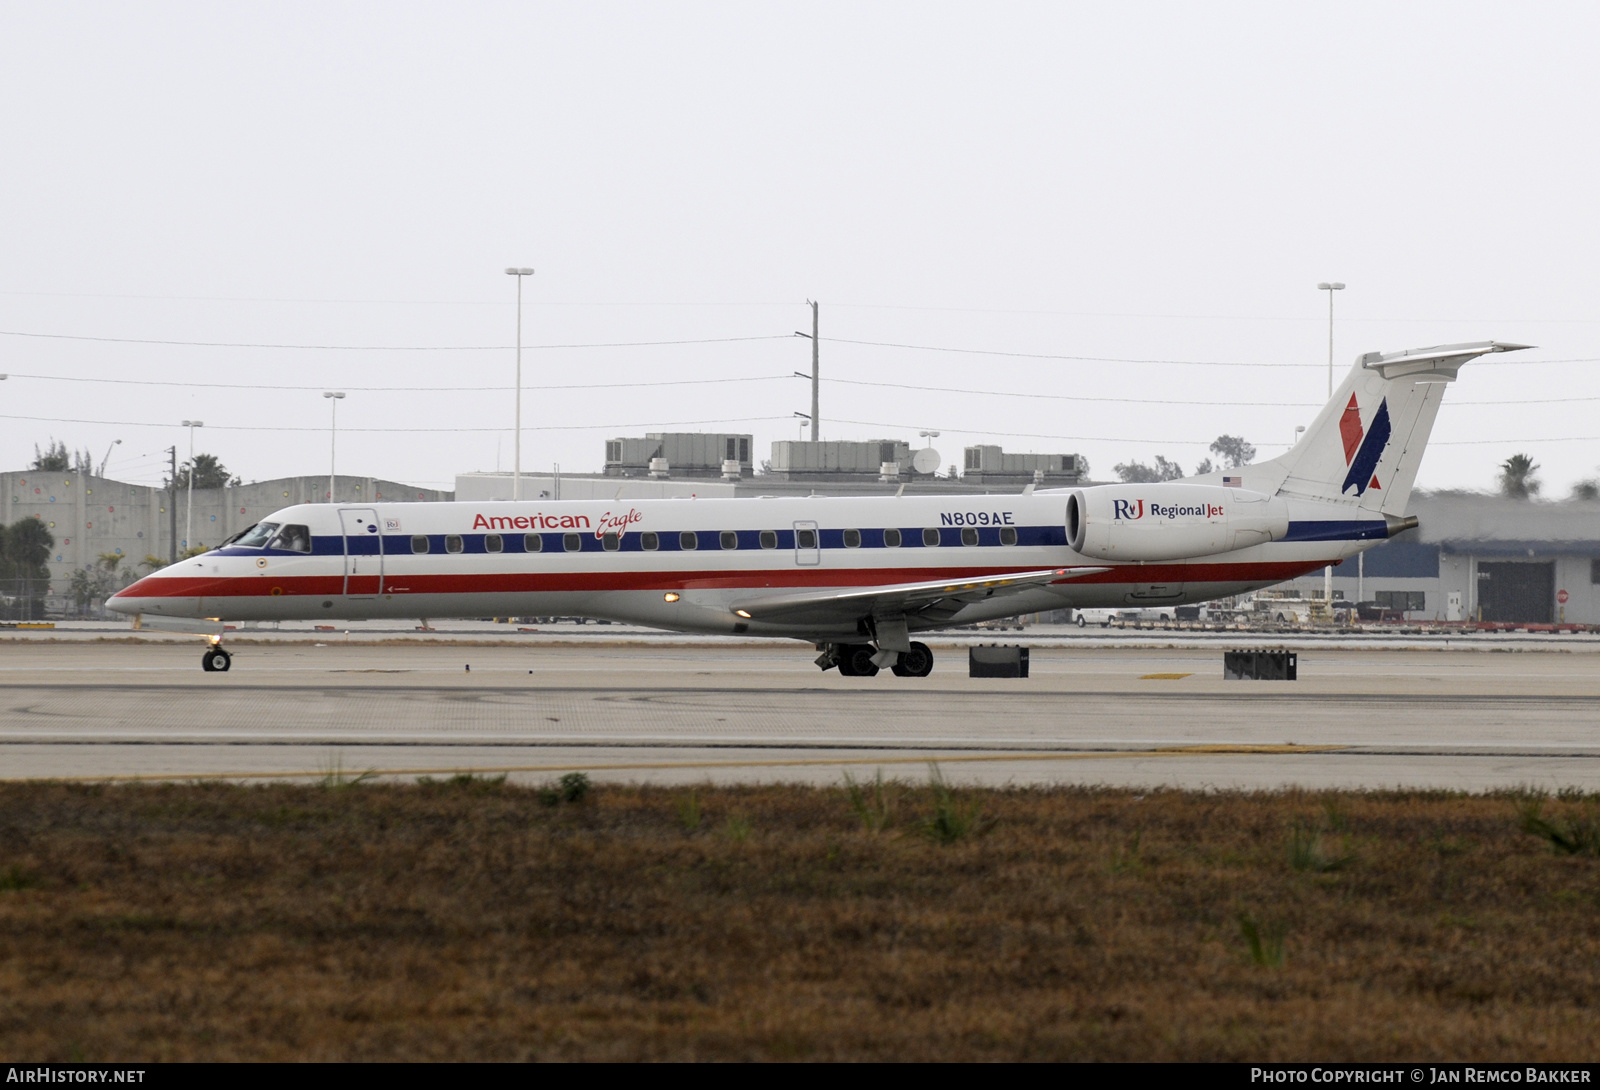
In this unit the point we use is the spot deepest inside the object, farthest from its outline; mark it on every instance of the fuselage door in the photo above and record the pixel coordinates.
(363, 552)
(807, 543)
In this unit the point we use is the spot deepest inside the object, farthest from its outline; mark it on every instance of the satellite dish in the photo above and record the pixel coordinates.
(925, 461)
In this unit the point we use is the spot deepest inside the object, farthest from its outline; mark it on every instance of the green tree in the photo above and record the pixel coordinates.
(56, 458)
(1586, 490)
(24, 549)
(209, 472)
(1517, 478)
(1233, 451)
(1139, 473)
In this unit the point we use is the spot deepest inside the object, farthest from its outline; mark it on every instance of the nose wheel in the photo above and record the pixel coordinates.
(215, 660)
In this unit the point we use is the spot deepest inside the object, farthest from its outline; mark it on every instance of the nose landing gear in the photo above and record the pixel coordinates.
(215, 660)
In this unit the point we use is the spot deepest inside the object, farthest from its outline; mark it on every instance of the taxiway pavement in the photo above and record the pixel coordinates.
(697, 711)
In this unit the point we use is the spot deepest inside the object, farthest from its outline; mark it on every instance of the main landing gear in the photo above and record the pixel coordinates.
(215, 660)
(862, 660)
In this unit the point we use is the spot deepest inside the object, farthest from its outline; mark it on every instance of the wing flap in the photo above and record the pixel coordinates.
(935, 597)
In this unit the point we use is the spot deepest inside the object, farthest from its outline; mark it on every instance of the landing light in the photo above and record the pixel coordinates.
(742, 613)
(670, 596)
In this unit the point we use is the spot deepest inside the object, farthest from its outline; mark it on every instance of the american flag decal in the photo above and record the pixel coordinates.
(1233, 482)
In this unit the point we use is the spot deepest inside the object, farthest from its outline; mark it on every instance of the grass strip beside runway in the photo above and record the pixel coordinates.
(470, 918)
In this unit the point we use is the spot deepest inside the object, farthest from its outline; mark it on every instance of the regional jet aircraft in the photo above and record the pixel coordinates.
(857, 577)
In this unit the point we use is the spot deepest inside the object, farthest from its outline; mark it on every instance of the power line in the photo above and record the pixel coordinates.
(383, 347)
(1124, 359)
(1179, 442)
(1031, 395)
(402, 431)
(395, 389)
(1035, 396)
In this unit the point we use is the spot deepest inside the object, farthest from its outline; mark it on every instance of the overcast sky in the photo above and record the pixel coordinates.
(1122, 183)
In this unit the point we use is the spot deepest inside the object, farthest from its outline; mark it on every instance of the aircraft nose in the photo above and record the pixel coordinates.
(118, 603)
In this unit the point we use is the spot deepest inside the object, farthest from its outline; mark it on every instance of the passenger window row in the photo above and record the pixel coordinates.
(689, 540)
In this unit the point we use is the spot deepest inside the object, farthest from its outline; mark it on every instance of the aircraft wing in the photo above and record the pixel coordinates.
(937, 600)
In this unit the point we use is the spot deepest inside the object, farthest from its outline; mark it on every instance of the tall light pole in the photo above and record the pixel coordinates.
(1330, 287)
(334, 396)
(114, 444)
(188, 517)
(516, 458)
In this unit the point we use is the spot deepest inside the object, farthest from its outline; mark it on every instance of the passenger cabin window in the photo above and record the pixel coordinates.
(891, 539)
(688, 542)
(611, 542)
(572, 542)
(805, 539)
(294, 539)
(532, 543)
(493, 543)
(730, 540)
(769, 539)
(852, 539)
(257, 536)
(419, 543)
(1008, 535)
(930, 537)
(969, 535)
(452, 543)
(649, 541)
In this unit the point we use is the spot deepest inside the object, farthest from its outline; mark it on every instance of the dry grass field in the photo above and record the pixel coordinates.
(471, 919)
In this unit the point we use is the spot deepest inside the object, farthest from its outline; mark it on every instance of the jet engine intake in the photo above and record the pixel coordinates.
(1170, 521)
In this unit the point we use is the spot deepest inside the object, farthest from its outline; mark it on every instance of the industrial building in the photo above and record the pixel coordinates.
(1477, 557)
(844, 460)
(681, 454)
(987, 464)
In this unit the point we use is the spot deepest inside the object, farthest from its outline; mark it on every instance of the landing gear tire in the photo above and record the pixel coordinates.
(917, 662)
(855, 660)
(216, 660)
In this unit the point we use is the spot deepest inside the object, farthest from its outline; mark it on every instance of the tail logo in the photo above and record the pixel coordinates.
(1363, 447)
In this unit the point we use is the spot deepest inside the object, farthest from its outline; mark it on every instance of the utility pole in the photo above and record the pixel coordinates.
(188, 516)
(172, 504)
(816, 415)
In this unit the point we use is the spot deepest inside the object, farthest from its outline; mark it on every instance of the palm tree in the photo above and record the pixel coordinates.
(1517, 478)
(209, 472)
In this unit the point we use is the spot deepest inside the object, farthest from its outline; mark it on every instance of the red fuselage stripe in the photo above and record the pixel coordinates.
(556, 582)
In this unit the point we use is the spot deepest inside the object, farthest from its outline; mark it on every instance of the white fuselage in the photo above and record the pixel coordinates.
(679, 564)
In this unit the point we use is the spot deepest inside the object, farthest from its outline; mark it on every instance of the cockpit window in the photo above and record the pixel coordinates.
(257, 536)
(295, 539)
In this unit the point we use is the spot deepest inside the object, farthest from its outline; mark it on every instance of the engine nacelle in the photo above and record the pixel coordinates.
(1170, 521)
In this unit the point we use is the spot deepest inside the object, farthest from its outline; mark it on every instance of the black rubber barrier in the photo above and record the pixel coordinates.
(1259, 665)
(997, 661)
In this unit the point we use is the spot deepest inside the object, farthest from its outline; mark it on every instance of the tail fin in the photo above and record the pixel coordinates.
(1366, 444)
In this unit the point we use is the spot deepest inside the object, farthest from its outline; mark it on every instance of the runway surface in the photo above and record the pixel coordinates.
(691, 712)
